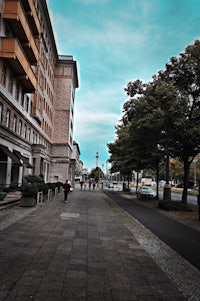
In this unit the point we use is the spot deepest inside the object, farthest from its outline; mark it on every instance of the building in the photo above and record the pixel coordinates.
(37, 94)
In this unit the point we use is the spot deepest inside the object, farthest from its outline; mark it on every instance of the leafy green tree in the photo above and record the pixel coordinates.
(120, 153)
(183, 72)
(96, 173)
(148, 121)
(164, 113)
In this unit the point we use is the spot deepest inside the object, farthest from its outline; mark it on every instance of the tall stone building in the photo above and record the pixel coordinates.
(37, 94)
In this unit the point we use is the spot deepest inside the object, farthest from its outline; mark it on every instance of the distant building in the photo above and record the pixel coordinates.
(37, 94)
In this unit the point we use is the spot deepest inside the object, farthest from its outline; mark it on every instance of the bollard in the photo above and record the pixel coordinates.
(50, 195)
(56, 191)
(39, 197)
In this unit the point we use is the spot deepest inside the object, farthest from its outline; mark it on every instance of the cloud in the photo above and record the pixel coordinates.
(114, 42)
(99, 126)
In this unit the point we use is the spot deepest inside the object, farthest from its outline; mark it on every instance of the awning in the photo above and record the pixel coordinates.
(24, 159)
(10, 154)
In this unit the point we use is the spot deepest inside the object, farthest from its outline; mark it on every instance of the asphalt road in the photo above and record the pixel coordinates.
(183, 239)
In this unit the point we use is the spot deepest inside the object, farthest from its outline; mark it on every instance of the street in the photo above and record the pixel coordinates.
(183, 239)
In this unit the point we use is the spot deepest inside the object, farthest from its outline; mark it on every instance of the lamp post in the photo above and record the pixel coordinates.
(195, 172)
(167, 187)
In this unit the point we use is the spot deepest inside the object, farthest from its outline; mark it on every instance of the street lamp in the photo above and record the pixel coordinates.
(195, 172)
(167, 187)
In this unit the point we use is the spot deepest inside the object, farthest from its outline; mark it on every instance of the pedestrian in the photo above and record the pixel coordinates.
(94, 184)
(81, 183)
(66, 190)
(90, 183)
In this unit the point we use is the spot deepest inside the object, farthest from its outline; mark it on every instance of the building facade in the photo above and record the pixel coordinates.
(37, 94)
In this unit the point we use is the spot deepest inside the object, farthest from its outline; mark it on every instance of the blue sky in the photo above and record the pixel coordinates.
(114, 42)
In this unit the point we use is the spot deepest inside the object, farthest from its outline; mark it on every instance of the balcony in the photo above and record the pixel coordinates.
(14, 54)
(17, 20)
(32, 16)
(36, 112)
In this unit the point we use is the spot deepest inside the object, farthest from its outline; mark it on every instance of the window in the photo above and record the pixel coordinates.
(14, 123)
(33, 137)
(29, 134)
(20, 128)
(31, 108)
(3, 75)
(27, 104)
(7, 121)
(25, 131)
(17, 91)
(1, 112)
(10, 84)
(22, 99)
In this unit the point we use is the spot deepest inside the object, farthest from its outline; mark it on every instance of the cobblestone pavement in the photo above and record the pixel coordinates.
(87, 249)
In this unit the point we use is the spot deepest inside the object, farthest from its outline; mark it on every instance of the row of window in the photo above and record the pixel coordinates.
(7, 80)
(12, 122)
(23, 99)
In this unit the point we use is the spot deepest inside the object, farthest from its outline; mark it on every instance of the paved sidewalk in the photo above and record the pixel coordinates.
(80, 250)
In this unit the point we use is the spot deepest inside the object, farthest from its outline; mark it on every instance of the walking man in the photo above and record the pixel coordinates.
(66, 189)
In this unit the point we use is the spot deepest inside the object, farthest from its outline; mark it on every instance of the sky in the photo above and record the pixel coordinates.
(115, 42)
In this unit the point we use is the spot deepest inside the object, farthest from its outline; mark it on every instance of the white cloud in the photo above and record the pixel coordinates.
(95, 125)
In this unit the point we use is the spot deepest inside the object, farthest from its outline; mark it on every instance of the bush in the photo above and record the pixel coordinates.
(30, 190)
(54, 185)
(2, 195)
(33, 179)
(42, 187)
(174, 205)
(51, 185)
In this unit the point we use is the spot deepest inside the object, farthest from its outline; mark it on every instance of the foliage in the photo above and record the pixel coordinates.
(33, 179)
(33, 184)
(120, 152)
(2, 195)
(42, 187)
(54, 185)
(183, 73)
(162, 118)
(96, 173)
(30, 190)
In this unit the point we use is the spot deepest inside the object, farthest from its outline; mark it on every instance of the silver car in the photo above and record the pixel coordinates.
(145, 192)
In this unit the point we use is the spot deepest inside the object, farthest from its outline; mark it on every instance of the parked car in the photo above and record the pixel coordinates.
(145, 192)
(110, 185)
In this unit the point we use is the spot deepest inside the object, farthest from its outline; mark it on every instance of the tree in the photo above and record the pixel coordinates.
(165, 113)
(120, 152)
(183, 73)
(146, 113)
(96, 173)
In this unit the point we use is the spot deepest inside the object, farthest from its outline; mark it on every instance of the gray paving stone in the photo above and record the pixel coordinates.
(78, 251)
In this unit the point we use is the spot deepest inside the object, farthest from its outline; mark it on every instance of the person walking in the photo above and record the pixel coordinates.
(66, 189)
(90, 183)
(81, 183)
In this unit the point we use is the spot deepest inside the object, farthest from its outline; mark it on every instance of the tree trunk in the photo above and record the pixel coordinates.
(185, 180)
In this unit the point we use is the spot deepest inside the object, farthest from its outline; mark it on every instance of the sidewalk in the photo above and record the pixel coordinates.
(80, 250)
